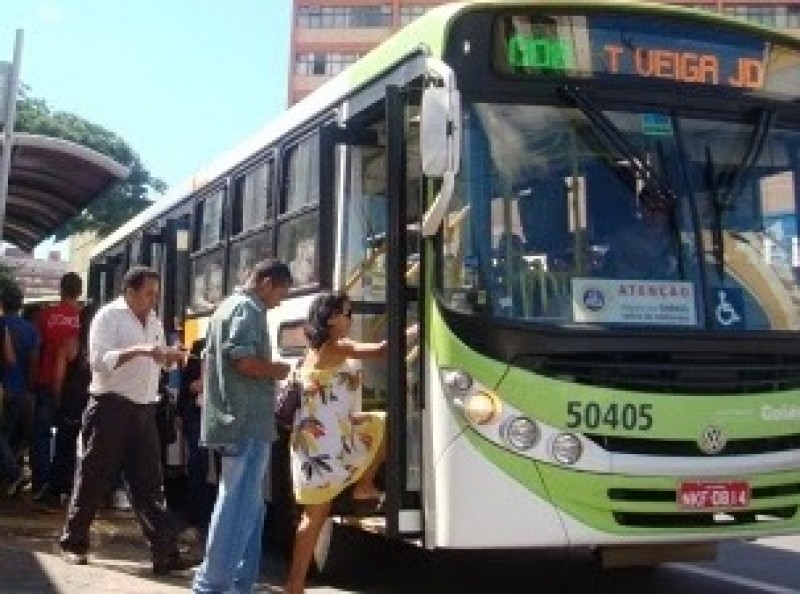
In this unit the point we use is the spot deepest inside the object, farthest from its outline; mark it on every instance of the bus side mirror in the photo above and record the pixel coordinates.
(440, 147)
(440, 128)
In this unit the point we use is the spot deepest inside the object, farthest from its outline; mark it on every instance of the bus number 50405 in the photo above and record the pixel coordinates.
(592, 415)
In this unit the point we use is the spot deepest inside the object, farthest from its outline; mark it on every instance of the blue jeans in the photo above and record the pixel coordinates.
(233, 550)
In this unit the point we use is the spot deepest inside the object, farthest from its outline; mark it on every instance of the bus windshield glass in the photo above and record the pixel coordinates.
(573, 215)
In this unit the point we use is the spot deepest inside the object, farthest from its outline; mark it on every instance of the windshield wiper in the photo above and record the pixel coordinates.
(765, 121)
(726, 187)
(615, 141)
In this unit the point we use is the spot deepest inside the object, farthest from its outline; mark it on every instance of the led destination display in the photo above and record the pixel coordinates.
(534, 45)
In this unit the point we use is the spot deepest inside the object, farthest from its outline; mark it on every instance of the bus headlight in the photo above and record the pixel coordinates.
(481, 407)
(566, 448)
(521, 433)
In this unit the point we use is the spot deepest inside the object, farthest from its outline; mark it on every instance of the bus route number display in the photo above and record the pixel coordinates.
(602, 46)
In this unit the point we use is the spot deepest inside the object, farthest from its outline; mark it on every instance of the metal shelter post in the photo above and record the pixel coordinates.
(10, 103)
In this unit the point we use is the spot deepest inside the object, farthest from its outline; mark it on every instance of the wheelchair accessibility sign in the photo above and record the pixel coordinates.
(728, 308)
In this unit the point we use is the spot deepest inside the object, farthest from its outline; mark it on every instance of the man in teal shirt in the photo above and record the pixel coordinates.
(238, 420)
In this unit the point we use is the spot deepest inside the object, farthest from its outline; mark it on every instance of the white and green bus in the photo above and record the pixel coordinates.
(478, 173)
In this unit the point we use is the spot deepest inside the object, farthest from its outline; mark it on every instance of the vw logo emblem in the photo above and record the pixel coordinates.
(712, 440)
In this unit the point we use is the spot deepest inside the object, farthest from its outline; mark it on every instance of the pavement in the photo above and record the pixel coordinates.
(119, 561)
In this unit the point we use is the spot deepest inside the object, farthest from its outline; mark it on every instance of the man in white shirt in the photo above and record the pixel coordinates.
(126, 355)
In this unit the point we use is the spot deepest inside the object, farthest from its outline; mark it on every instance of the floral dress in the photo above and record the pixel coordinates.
(332, 442)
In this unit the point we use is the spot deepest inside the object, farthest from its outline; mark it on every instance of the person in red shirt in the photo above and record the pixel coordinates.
(57, 324)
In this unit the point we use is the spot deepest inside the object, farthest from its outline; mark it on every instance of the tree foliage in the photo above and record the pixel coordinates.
(122, 200)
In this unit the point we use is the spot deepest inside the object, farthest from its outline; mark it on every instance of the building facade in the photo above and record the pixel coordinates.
(37, 277)
(329, 35)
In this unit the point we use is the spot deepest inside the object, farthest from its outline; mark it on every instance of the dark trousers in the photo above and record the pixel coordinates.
(63, 467)
(202, 495)
(18, 420)
(120, 436)
(40, 454)
(15, 432)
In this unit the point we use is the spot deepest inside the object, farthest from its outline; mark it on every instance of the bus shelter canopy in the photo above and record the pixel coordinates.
(50, 181)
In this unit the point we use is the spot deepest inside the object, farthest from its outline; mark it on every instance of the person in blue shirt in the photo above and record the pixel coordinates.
(17, 382)
(238, 421)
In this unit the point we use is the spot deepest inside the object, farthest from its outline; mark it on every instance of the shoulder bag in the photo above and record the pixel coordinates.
(288, 398)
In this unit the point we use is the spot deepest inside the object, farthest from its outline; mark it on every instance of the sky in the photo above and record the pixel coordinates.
(181, 81)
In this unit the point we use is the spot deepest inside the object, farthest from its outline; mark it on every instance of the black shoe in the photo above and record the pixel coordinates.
(174, 562)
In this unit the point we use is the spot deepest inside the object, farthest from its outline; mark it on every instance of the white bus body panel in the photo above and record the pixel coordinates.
(478, 506)
(471, 503)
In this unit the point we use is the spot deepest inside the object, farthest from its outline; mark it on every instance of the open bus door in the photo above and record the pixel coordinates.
(373, 169)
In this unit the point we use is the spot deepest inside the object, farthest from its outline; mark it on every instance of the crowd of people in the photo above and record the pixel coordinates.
(42, 391)
(79, 378)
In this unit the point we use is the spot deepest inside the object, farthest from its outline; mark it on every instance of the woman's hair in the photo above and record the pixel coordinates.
(322, 309)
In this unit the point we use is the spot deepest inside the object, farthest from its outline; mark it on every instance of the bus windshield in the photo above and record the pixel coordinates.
(573, 214)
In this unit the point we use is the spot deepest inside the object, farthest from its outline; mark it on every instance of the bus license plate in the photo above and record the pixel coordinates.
(712, 495)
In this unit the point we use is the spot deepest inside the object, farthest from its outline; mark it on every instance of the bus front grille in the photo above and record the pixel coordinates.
(672, 373)
(769, 504)
(689, 448)
(669, 495)
(700, 520)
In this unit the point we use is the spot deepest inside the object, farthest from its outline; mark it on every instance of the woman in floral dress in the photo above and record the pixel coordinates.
(333, 444)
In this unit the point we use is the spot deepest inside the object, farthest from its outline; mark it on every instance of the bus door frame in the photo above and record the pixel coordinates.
(176, 269)
(398, 496)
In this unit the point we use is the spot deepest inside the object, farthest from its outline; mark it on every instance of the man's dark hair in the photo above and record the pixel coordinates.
(71, 286)
(135, 278)
(275, 270)
(12, 299)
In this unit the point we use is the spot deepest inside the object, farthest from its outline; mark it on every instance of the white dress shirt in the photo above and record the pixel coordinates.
(115, 328)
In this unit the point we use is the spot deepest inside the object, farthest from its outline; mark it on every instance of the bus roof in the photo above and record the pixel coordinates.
(425, 34)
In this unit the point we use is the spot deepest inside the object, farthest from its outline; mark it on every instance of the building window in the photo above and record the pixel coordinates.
(310, 64)
(769, 15)
(344, 17)
(323, 64)
(793, 17)
(411, 12)
(370, 16)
